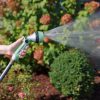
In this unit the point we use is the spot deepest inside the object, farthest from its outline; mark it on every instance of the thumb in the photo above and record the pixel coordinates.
(17, 43)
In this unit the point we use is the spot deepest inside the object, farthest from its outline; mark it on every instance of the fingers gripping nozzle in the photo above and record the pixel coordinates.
(35, 37)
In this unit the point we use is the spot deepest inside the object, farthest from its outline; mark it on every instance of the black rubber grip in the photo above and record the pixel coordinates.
(37, 37)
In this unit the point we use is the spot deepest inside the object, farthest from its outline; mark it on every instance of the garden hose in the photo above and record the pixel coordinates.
(35, 37)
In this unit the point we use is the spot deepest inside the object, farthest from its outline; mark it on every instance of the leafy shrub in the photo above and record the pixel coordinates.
(72, 74)
(51, 52)
(17, 82)
(18, 74)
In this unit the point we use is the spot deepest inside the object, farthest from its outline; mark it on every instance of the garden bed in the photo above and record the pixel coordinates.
(46, 91)
(72, 74)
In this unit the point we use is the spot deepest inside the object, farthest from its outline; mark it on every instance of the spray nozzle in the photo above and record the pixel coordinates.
(36, 37)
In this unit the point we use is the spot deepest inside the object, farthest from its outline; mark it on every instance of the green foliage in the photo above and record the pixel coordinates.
(81, 21)
(18, 74)
(72, 74)
(69, 6)
(17, 80)
(51, 52)
(18, 23)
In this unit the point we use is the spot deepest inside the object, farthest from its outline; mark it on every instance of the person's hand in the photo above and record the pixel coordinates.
(12, 48)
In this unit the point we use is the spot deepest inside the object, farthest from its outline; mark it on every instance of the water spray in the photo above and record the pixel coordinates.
(35, 37)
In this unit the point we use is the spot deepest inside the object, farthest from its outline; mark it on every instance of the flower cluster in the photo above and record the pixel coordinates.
(45, 19)
(12, 4)
(10, 88)
(92, 6)
(21, 95)
(66, 18)
(38, 54)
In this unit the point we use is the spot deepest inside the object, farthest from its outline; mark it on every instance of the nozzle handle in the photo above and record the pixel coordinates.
(23, 46)
(15, 57)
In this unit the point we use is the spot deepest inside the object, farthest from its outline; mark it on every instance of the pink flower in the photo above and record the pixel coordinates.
(45, 19)
(66, 18)
(10, 88)
(21, 95)
(92, 6)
